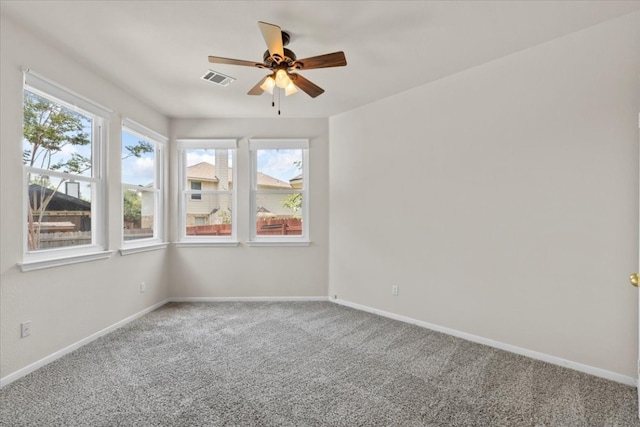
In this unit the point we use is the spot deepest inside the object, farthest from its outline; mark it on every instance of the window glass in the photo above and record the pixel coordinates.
(141, 190)
(208, 194)
(138, 160)
(56, 138)
(279, 190)
(196, 185)
(58, 144)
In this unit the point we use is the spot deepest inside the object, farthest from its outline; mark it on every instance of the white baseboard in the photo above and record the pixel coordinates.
(245, 299)
(58, 354)
(602, 373)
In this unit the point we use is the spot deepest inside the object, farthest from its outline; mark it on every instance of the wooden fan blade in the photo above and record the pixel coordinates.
(306, 86)
(273, 37)
(229, 61)
(257, 90)
(335, 59)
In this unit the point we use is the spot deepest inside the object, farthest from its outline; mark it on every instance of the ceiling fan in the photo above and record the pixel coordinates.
(282, 62)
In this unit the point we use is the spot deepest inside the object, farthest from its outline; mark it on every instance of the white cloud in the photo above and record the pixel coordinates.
(280, 164)
(198, 156)
(194, 157)
(138, 170)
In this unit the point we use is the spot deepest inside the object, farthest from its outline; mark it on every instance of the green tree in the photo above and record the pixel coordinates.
(138, 150)
(50, 129)
(132, 207)
(294, 201)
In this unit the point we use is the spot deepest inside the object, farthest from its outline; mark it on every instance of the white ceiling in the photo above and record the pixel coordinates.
(158, 50)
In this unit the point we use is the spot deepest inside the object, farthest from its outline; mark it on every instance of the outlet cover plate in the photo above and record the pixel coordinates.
(25, 329)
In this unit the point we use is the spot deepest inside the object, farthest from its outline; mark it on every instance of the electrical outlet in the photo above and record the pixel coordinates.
(143, 287)
(395, 290)
(25, 329)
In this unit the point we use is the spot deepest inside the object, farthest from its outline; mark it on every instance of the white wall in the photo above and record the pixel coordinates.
(256, 271)
(504, 200)
(64, 304)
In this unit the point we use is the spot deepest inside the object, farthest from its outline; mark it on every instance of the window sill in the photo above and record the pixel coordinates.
(142, 248)
(65, 260)
(207, 244)
(258, 243)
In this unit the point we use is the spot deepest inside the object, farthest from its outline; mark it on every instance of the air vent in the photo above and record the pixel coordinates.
(218, 78)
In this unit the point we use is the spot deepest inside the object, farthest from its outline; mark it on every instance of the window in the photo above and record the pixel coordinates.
(64, 187)
(142, 185)
(207, 192)
(279, 191)
(196, 185)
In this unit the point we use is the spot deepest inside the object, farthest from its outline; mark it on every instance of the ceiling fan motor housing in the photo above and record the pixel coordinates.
(289, 58)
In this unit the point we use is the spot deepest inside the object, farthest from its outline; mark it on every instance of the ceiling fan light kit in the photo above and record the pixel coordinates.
(282, 79)
(290, 89)
(268, 85)
(281, 62)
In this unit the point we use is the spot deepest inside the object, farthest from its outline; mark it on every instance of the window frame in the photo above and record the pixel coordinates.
(256, 144)
(100, 117)
(206, 144)
(159, 143)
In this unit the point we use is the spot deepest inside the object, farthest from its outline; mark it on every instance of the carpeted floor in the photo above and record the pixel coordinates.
(302, 364)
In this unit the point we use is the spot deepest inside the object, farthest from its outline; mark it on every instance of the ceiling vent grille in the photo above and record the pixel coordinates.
(218, 78)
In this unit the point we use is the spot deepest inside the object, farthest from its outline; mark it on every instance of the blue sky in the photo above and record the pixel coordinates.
(279, 163)
(136, 170)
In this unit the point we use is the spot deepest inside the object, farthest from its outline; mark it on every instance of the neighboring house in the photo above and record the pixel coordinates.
(148, 209)
(63, 213)
(203, 209)
(296, 182)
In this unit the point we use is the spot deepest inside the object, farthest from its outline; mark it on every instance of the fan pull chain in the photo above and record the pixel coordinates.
(279, 102)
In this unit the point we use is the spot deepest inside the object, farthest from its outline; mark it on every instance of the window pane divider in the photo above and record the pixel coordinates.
(283, 191)
(140, 188)
(57, 174)
(207, 192)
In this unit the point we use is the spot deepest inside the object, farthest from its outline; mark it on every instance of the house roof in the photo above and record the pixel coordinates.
(207, 172)
(204, 171)
(59, 201)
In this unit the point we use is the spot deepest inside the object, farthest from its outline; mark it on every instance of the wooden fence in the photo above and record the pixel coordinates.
(266, 227)
(279, 227)
(209, 230)
(137, 233)
(60, 239)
